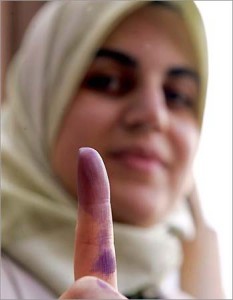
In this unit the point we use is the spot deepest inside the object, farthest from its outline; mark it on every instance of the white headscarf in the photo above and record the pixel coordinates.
(38, 215)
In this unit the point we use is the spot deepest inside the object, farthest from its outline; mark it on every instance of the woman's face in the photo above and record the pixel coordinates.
(137, 107)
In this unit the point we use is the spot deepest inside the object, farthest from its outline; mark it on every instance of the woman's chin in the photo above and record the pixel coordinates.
(143, 212)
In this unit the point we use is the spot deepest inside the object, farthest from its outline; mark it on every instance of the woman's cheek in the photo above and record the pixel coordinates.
(185, 138)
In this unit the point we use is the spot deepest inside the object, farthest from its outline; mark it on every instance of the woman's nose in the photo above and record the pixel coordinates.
(147, 110)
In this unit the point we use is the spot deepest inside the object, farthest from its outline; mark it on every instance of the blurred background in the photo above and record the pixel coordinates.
(213, 164)
(15, 17)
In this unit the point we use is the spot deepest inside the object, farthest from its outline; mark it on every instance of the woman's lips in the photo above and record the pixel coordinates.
(138, 161)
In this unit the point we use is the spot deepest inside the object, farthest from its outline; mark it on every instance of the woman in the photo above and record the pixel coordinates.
(127, 78)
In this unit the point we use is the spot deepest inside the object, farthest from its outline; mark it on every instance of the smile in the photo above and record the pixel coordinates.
(138, 160)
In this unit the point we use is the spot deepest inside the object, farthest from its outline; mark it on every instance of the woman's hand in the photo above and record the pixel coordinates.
(200, 273)
(90, 287)
(94, 260)
(196, 210)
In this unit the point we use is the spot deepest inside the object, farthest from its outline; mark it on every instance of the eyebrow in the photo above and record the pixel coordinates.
(128, 61)
(184, 72)
(117, 56)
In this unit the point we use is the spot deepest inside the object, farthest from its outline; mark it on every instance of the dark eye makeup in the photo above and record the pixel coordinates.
(115, 85)
(181, 92)
(178, 96)
(114, 77)
(179, 100)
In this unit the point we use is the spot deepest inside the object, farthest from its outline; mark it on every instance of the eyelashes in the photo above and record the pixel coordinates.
(176, 99)
(112, 85)
(116, 86)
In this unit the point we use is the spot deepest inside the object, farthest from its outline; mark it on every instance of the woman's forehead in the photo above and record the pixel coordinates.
(150, 31)
(152, 15)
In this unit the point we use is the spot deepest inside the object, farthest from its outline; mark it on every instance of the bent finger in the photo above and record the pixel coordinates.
(91, 288)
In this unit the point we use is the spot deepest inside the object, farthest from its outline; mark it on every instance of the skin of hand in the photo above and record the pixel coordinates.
(94, 270)
(200, 272)
(94, 259)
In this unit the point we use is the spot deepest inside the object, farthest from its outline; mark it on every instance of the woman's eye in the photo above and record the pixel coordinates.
(179, 100)
(102, 82)
(108, 84)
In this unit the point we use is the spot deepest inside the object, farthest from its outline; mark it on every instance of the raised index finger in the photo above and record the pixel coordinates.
(94, 246)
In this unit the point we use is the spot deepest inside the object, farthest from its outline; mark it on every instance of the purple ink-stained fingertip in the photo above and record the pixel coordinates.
(93, 184)
(87, 151)
(106, 263)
